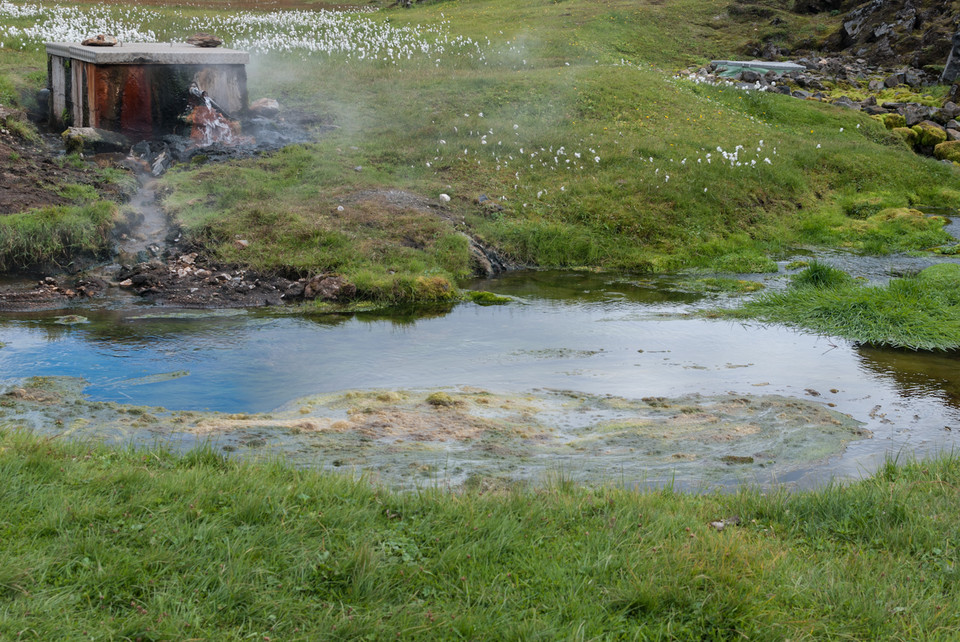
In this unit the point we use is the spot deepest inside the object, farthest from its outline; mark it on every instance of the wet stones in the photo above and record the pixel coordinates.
(190, 280)
(49, 293)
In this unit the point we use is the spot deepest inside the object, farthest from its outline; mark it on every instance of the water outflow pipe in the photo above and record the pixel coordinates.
(202, 96)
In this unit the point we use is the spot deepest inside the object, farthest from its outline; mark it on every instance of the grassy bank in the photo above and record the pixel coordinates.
(560, 136)
(56, 235)
(921, 312)
(114, 544)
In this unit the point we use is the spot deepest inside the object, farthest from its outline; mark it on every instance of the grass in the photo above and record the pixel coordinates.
(618, 214)
(123, 544)
(920, 313)
(576, 76)
(56, 234)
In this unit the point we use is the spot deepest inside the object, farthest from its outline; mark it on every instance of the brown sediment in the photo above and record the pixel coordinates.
(226, 424)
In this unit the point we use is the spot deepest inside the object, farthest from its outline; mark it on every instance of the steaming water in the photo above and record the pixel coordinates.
(569, 331)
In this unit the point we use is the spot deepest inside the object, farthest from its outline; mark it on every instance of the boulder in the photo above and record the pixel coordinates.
(749, 76)
(953, 134)
(949, 150)
(916, 114)
(948, 112)
(265, 108)
(892, 121)
(952, 69)
(929, 134)
(892, 80)
(908, 135)
(875, 85)
(913, 77)
(90, 140)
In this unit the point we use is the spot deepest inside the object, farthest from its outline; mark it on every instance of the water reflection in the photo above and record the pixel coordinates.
(935, 374)
(591, 333)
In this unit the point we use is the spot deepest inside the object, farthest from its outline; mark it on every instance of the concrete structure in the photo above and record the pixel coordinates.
(140, 89)
(759, 66)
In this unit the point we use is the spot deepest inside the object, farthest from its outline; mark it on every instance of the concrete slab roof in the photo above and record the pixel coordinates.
(149, 53)
(782, 67)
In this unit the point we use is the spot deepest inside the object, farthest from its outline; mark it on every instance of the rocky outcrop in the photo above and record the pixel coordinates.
(917, 33)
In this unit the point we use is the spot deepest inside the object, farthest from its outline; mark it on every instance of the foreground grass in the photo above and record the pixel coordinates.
(117, 544)
(921, 312)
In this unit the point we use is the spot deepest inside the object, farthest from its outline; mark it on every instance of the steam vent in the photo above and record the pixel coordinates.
(141, 90)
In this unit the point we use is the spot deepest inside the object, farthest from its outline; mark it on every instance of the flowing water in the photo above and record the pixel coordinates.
(595, 377)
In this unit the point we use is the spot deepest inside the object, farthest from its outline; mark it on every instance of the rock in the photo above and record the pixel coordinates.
(100, 40)
(948, 112)
(265, 108)
(892, 121)
(952, 69)
(846, 103)
(953, 134)
(803, 95)
(328, 288)
(748, 75)
(913, 77)
(205, 40)
(929, 134)
(90, 140)
(241, 243)
(892, 81)
(444, 198)
(875, 85)
(873, 110)
(915, 114)
(909, 136)
(948, 151)
(952, 124)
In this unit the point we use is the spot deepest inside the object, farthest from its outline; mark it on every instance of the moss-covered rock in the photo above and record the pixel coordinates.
(949, 150)
(929, 135)
(892, 121)
(910, 137)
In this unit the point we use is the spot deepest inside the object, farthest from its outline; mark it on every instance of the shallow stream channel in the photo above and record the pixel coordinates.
(583, 376)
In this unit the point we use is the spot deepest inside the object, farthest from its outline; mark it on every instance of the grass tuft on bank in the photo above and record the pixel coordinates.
(56, 234)
(919, 313)
(126, 544)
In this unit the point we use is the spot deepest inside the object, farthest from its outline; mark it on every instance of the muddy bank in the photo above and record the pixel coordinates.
(33, 170)
(452, 436)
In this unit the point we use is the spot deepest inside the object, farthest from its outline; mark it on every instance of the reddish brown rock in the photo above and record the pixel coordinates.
(204, 40)
(100, 40)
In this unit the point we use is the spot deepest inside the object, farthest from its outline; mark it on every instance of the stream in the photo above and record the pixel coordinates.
(592, 377)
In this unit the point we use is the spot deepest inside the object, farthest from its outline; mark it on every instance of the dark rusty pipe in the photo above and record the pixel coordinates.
(202, 96)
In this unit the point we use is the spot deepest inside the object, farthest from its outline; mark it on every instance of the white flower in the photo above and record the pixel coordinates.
(596, 159)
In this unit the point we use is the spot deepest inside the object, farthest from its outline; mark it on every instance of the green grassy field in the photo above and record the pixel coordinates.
(566, 118)
(114, 544)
